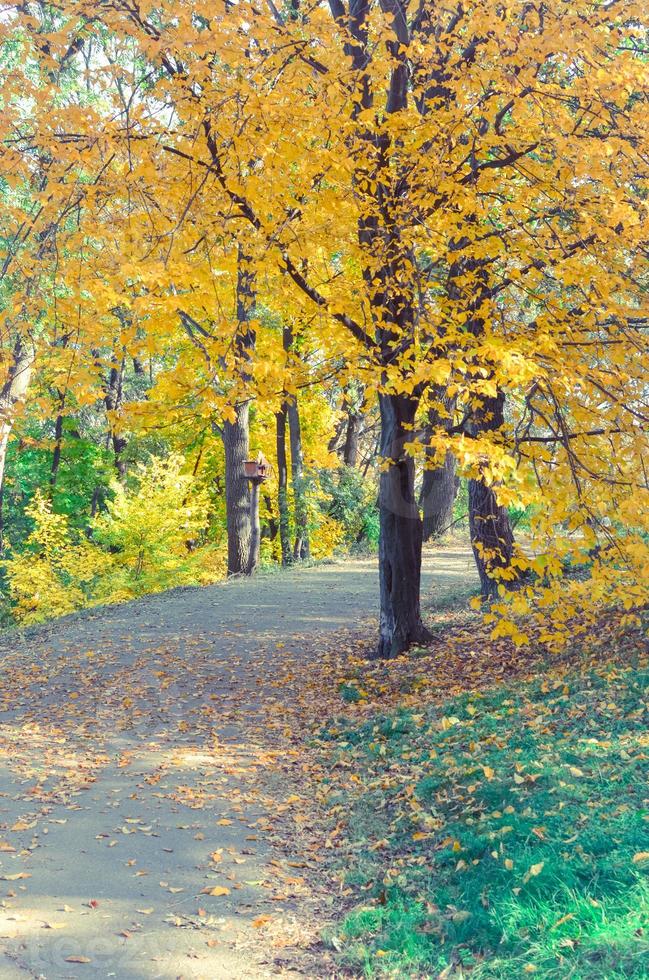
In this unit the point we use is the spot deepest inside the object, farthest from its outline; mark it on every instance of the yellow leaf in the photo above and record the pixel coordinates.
(564, 918)
(536, 869)
(261, 921)
(217, 891)
(488, 771)
(640, 857)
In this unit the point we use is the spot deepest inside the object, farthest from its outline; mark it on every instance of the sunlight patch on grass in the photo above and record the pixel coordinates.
(499, 835)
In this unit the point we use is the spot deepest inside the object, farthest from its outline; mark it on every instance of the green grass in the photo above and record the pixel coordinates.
(500, 835)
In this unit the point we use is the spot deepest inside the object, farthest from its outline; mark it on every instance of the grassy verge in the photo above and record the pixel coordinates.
(497, 835)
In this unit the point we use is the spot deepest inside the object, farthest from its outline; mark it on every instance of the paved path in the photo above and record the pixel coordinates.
(142, 780)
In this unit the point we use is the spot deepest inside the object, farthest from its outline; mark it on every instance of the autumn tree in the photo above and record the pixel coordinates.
(454, 195)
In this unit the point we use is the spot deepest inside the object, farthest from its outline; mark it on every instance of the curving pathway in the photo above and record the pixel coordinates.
(142, 780)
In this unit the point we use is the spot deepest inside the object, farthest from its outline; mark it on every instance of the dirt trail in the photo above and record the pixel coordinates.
(138, 774)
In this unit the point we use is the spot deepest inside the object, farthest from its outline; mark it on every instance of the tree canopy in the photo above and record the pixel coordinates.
(445, 205)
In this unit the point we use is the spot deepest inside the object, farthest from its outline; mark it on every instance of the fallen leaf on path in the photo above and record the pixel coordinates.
(217, 891)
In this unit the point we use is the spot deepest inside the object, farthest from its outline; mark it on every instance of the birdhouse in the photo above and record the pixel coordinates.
(257, 469)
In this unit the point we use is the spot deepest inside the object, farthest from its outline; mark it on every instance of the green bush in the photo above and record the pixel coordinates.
(350, 499)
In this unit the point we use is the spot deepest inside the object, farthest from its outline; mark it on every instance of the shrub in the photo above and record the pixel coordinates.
(57, 571)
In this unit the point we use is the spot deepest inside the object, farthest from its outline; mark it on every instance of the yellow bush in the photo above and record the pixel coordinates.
(151, 530)
(326, 537)
(57, 571)
(151, 526)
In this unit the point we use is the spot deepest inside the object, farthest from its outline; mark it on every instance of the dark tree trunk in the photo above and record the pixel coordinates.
(236, 442)
(292, 415)
(301, 544)
(272, 529)
(119, 445)
(282, 485)
(492, 538)
(56, 455)
(113, 400)
(438, 493)
(332, 445)
(400, 532)
(352, 436)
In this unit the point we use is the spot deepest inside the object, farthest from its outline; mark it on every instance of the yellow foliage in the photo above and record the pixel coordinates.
(153, 526)
(326, 537)
(150, 529)
(56, 572)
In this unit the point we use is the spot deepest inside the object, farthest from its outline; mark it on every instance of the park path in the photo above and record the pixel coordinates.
(147, 773)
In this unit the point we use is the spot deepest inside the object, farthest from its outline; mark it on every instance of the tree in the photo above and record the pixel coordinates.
(450, 195)
(236, 432)
(491, 533)
(282, 483)
(439, 487)
(14, 392)
(439, 484)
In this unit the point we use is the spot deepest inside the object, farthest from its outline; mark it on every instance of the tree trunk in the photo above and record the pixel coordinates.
(255, 529)
(282, 485)
(236, 435)
(236, 442)
(56, 455)
(492, 538)
(400, 532)
(352, 436)
(273, 525)
(113, 399)
(12, 394)
(301, 544)
(332, 445)
(438, 493)
(291, 410)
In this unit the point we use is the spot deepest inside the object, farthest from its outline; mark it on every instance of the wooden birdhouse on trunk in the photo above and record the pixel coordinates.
(257, 469)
